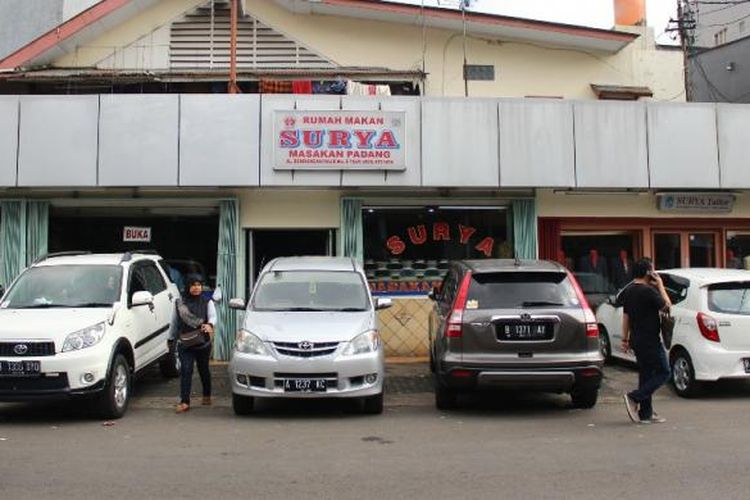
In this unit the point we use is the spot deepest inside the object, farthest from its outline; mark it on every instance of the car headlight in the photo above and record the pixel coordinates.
(84, 338)
(250, 344)
(361, 344)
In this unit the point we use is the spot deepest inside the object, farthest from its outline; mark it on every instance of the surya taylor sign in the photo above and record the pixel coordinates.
(696, 202)
(339, 140)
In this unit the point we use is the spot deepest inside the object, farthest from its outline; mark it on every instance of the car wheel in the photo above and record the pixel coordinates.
(373, 405)
(683, 375)
(584, 397)
(113, 401)
(605, 346)
(242, 405)
(169, 364)
(445, 397)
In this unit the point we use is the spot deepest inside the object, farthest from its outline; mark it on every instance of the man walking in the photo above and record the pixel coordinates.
(642, 301)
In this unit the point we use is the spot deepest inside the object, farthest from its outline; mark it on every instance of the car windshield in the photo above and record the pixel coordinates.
(521, 290)
(729, 298)
(65, 286)
(311, 291)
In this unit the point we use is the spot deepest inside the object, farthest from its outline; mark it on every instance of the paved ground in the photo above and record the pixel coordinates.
(532, 446)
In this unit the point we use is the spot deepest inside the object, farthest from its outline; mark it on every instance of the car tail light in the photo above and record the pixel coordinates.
(454, 327)
(592, 328)
(708, 326)
(461, 373)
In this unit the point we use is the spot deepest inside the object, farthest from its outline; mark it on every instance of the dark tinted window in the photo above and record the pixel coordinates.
(154, 282)
(137, 281)
(676, 287)
(729, 298)
(520, 290)
(448, 289)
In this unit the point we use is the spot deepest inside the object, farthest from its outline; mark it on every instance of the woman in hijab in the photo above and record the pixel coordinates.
(196, 313)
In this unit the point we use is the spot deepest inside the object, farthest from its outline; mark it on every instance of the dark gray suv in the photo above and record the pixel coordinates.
(513, 324)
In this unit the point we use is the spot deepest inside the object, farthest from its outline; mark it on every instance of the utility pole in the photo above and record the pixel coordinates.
(685, 26)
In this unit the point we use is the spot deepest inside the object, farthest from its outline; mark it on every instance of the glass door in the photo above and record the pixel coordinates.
(685, 249)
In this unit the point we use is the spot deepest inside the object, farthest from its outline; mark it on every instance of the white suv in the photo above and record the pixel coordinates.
(81, 324)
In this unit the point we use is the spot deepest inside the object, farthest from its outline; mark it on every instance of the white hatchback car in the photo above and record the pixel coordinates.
(310, 330)
(711, 339)
(77, 324)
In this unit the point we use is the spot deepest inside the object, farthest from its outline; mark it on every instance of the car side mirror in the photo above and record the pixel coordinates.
(434, 294)
(142, 298)
(383, 303)
(237, 303)
(612, 300)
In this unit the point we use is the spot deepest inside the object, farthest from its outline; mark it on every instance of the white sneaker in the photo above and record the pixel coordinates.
(656, 419)
(632, 407)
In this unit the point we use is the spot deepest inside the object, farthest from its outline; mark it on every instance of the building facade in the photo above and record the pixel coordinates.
(353, 136)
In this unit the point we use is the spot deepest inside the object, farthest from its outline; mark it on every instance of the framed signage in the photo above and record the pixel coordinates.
(339, 140)
(696, 202)
(138, 234)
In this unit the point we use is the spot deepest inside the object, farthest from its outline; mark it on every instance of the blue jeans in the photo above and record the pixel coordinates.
(653, 372)
(200, 357)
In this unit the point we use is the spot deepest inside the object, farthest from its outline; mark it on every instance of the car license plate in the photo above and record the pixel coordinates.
(524, 331)
(20, 368)
(304, 385)
(747, 364)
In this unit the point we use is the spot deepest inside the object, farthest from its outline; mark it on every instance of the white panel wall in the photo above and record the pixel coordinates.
(536, 143)
(219, 140)
(683, 151)
(58, 141)
(8, 140)
(734, 145)
(611, 145)
(138, 140)
(459, 143)
(271, 177)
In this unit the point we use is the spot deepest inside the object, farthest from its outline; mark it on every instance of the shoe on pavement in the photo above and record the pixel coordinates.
(631, 407)
(206, 401)
(656, 419)
(182, 408)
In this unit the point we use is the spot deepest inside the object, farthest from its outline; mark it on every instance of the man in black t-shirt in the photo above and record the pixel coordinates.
(642, 300)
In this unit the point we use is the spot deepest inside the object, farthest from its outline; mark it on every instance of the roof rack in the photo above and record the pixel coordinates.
(61, 254)
(128, 255)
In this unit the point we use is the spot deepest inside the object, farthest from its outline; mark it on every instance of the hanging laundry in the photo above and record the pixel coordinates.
(302, 87)
(275, 87)
(356, 88)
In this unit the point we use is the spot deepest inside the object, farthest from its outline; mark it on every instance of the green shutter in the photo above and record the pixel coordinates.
(226, 278)
(524, 229)
(351, 228)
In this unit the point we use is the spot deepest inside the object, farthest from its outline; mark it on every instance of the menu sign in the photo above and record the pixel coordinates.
(339, 140)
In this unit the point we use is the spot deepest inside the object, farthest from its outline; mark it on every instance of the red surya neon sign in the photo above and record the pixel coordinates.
(441, 231)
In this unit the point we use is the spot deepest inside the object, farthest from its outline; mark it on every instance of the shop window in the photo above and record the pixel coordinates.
(602, 262)
(738, 250)
(407, 250)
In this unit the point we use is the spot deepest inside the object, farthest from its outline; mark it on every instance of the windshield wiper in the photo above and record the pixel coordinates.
(348, 309)
(297, 309)
(40, 306)
(539, 303)
(92, 304)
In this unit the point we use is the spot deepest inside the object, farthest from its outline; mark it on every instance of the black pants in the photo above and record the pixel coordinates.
(653, 372)
(200, 357)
